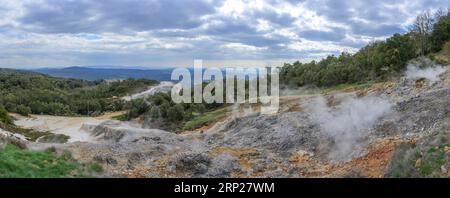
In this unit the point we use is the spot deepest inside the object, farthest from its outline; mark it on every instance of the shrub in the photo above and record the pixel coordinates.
(23, 110)
(4, 117)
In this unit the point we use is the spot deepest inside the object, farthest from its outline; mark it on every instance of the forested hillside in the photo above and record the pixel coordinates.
(26, 92)
(379, 60)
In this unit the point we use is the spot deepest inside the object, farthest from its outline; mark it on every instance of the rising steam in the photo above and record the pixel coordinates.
(348, 123)
(424, 68)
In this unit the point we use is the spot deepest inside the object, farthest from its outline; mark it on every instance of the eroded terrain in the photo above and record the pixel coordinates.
(356, 132)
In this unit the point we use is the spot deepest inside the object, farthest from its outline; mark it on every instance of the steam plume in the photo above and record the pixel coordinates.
(348, 123)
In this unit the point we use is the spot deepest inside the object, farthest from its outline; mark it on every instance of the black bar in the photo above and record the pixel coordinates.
(80, 187)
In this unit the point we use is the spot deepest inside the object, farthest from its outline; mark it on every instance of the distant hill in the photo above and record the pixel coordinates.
(94, 73)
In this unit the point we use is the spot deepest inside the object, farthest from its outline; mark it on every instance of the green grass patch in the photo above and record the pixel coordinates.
(121, 117)
(433, 160)
(342, 87)
(18, 163)
(205, 119)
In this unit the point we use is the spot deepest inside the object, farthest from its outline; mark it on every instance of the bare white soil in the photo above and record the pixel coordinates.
(70, 126)
(161, 88)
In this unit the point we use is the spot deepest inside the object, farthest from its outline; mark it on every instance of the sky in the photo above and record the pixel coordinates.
(172, 33)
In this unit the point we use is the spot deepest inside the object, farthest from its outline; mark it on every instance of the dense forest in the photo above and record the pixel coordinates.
(27, 92)
(379, 60)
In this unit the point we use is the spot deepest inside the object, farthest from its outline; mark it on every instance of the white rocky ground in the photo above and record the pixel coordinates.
(163, 87)
(70, 126)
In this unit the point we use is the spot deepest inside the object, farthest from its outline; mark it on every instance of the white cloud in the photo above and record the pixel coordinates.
(306, 46)
(242, 47)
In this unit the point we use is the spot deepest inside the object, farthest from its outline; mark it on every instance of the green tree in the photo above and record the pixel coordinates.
(441, 32)
(4, 117)
(23, 110)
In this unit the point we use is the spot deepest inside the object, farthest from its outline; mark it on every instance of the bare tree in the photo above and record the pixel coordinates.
(441, 13)
(422, 28)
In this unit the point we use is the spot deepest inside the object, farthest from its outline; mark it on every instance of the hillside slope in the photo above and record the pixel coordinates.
(392, 129)
(27, 92)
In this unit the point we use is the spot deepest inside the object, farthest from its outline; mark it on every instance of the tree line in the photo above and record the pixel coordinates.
(378, 60)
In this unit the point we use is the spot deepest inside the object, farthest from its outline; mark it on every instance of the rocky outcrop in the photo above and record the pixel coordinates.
(7, 137)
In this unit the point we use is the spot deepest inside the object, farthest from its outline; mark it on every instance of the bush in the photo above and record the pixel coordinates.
(137, 108)
(23, 110)
(4, 117)
(403, 164)
(441, 33)
(426, 160)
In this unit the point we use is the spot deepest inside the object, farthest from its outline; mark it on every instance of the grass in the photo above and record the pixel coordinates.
(121, 117)
(18, 163)
(205, 119)
(433, 160)
(342, 87)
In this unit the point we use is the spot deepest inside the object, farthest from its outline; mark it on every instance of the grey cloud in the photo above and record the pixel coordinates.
(230, 27)
(59, 17)
(175, 34)
(279, 19)
(376, 30)
(64, 16)
(383, 17)
(336, 35)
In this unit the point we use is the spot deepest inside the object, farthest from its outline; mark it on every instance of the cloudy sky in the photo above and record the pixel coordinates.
(163, 33)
